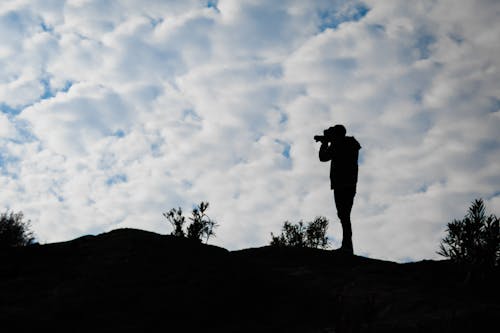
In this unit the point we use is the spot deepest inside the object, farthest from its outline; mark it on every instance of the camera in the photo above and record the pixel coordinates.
(326, 137)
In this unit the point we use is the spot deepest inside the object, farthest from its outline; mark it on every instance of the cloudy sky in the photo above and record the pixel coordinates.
(112, 112)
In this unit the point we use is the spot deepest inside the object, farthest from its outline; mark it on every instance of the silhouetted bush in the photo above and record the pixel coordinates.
(14, 231)
(299, 235)
(201, 225)
(291, 235)
(474, 239)
(174, 216)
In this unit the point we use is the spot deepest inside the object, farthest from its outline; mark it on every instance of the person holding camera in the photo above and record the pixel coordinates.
(343, 152)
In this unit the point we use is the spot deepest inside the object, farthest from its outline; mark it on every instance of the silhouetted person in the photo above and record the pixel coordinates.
(342, 151)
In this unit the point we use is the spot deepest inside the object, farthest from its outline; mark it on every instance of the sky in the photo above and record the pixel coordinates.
(113, 112)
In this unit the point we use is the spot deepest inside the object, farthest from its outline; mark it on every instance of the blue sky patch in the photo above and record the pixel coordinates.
(418, 96)
(59, 197)
(190, 114)
(14, 20)
(457, 38)
(119, 133)
(4, 169)
(423, 188)
(376, 28)
(186, 184)
(283, 118)
(67, 86)
(117, 179)
(361, 157)
(496, 194)
(5, 108)
(286, 148)
(45, 27)
(423, 44)
(155, 21)
(156, 148)
(48, 92)
(331, 19)
(495, 105)
(213, 4)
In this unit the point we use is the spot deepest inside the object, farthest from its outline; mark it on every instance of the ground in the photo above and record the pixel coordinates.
(130, 280)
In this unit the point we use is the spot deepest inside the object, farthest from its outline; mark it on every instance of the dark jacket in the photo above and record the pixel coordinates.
(344, 156)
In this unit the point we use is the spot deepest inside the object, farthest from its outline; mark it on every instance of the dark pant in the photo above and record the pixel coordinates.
(344, 198)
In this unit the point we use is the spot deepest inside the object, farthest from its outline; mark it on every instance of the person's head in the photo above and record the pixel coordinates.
(337, 132)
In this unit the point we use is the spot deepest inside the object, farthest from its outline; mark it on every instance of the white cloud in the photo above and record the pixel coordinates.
(118, 111)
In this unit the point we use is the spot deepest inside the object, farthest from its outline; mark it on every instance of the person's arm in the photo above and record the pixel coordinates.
(325, 152)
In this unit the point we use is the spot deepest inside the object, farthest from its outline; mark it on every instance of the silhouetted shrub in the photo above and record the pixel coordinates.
(174, 216)
(299, 235)
(316, 233)
(474, 239)
(291, 235)
(201, 225)
(14, 231)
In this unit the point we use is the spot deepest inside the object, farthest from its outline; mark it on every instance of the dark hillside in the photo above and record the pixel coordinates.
(130, 280)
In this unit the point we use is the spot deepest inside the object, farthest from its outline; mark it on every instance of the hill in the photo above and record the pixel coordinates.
(131, 280)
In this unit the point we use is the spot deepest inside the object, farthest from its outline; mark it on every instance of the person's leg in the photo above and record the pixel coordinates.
(344, 198)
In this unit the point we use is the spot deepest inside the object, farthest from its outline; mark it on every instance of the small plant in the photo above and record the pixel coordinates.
(474, 239)
(312, 235)
(14, 231)
(316, 233)
(201, 225)
(174, 216)
(291, 235)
